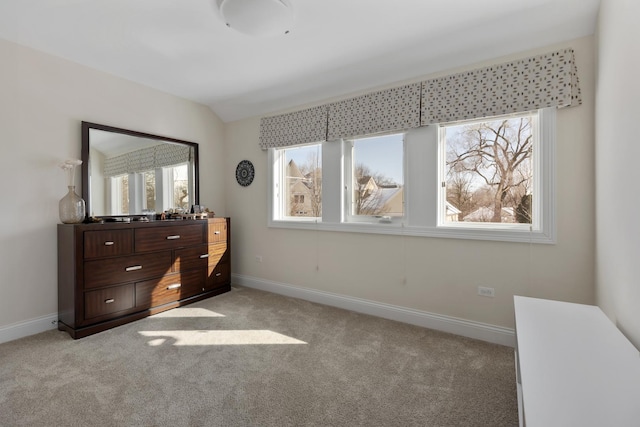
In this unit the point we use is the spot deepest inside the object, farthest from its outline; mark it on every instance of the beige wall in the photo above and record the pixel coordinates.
(442, 274)
(43, 101)
(617, 170)
(45, 98)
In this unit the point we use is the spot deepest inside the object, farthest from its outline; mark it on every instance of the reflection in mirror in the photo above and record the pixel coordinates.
(126, 173)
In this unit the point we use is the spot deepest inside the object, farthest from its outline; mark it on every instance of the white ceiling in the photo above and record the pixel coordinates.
(336, 47)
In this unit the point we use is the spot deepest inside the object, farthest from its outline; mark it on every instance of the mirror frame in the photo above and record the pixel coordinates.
(87, 126)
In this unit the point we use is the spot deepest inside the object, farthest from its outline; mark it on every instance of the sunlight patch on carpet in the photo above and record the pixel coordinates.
(188, 338)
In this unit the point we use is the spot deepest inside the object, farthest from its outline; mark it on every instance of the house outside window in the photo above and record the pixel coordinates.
(298, 182)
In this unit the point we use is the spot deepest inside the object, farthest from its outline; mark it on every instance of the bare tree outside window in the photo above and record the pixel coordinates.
(124, 181)
(150, 189)
(489, 169)
(460, 193)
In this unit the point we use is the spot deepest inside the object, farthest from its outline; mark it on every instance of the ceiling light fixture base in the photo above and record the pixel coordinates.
(257, 18)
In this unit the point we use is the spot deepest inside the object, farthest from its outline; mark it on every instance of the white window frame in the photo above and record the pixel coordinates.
(114, 190)
(277, 202)
(421, 192)
(164, 189)
(349, 216)
(165, 186)
(538, 180)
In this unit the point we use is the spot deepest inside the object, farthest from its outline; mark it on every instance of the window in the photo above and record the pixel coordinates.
(374, 177)
(119, 202)
(132, 193)
(177, 178)
(298, 182)
(150, 191)
(489, 171)
(489, 179)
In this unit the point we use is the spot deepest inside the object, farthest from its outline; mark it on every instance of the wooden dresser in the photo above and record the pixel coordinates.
(114, 273)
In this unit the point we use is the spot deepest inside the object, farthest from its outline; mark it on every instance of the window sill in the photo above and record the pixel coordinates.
(398, 229)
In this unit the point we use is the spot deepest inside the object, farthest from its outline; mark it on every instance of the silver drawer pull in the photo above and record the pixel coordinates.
(133, 268)
(216, 232)
(108, 243)
(174, 237)
(204, 256)
(109, 301)
(174, 286)
(218, 274)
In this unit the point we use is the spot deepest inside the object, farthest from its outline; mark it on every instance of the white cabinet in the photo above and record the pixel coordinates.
(574, 367)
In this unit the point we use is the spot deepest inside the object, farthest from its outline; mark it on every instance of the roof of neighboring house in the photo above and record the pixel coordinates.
(298, 187)
(368, 182)
(294, 170)
(379, 197)
(310, 175)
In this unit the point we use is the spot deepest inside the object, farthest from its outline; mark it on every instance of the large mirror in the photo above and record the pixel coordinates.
(129, 173)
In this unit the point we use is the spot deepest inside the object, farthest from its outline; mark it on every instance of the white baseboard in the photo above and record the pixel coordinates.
(466, 328)
(28, 327)
(454, 325)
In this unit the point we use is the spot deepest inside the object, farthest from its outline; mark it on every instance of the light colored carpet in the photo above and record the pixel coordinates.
(252, 358)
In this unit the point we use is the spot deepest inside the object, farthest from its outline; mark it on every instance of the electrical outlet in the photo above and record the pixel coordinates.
(258, 258)
(486, 292)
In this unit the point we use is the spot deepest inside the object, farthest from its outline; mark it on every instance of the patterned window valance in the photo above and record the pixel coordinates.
(300, 127)
(383, 111)
(548, 80)
(171, 154)
(147, 159)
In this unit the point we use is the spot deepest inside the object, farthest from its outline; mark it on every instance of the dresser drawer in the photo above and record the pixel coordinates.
(112, 271)
(153, 239)
(108, 301)
(218, 253)
(190, 258)
(107, 243)
(218, 276)
(173, 287)
(217, 230)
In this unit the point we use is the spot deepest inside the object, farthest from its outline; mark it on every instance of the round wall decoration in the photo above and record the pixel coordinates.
(245, 173)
